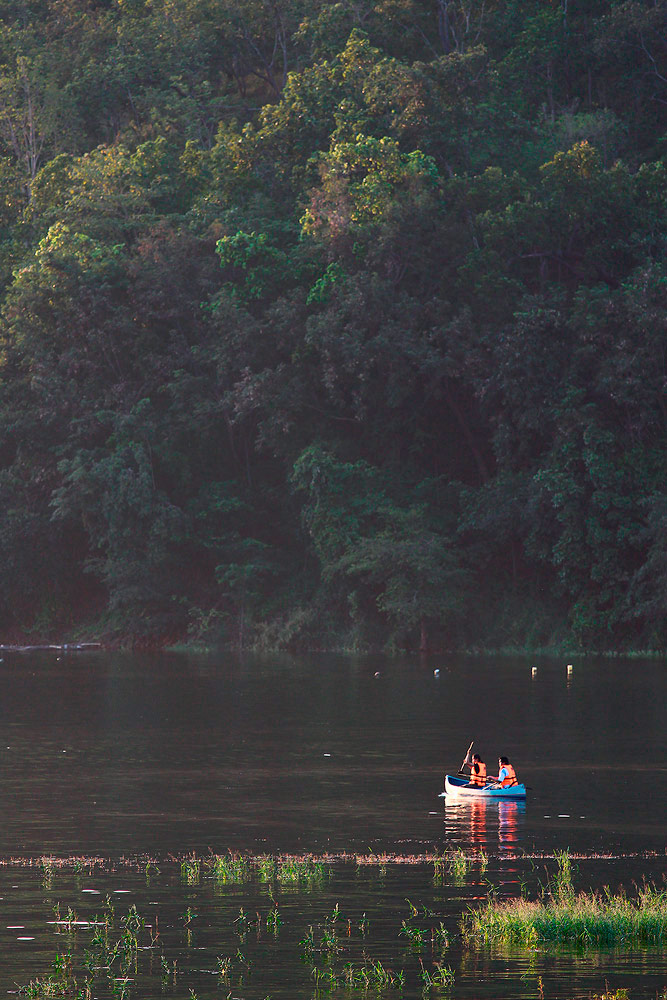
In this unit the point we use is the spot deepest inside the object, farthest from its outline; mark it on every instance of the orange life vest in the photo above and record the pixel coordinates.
(511, 777)
(478, 773)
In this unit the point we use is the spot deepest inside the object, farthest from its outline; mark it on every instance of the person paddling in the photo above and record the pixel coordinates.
(477, 770)
(506, 774)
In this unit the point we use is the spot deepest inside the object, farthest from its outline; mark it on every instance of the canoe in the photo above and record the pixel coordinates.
(460, 788)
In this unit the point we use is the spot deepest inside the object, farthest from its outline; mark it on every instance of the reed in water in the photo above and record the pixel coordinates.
(564, 916)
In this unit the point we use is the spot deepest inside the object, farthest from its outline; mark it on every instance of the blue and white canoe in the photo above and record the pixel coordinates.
(461, 789)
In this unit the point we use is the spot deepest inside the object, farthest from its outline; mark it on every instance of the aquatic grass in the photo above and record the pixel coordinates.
(329, 942)
(190, 870)
(230, 868)
(168, 972)
(104, 954)
(189, 916)
(416, 935)
(62, 965)
(325, 977)
(308, 943)
(147, 870)
(440, 936)
(58, 984)
(68, 922)
(600, 919)
(264, 864)
(132, 921)
(563, 887)
(440, 977)
(48, 869)
(266, 867)
(49, 986)
(224, 967)
(335, 949)
(273, 918)
(458, 864)
(372, 975)
(242, 923)
(294, 870)
(438, 869)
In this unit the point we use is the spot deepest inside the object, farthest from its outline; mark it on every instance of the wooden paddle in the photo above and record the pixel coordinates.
(465, 759)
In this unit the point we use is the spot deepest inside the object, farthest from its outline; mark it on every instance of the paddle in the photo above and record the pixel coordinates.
(465, 759)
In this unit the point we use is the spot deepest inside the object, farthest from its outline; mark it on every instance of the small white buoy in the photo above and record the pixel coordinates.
(570, 668)
(377, 673)
(533, 671)
(436, 673)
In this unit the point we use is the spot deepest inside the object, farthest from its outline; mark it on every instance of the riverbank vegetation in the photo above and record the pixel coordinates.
(564, 916)
(249, 925)
(585, 919)
(334, 325)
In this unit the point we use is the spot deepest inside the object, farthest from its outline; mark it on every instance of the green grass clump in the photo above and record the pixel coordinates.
(230, 868)
(458, 865)
(300, 870)
(416, 935)
(570, 918)
(439, 978)
(190, 869)
(46, 987)
(372, 975)
(266, 867)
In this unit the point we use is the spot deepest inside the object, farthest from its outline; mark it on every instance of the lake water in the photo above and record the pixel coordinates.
(123, 756)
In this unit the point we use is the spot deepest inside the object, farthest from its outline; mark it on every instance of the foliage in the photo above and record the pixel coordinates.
(334, 323)
(595, 919)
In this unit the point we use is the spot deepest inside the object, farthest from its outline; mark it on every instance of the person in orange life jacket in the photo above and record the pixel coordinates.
(506, 774)
(477, 770)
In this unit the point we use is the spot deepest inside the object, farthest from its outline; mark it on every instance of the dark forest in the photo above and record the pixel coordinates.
(334, 325)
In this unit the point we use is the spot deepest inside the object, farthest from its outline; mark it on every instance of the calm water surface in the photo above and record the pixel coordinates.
(118, 755)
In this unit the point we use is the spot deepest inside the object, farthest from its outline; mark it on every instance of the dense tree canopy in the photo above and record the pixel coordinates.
(334, 324)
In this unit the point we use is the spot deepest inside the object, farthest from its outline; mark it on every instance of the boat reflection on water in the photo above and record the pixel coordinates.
(510, 821)
(485, 824)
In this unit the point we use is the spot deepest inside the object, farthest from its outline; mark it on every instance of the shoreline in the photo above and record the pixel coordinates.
(130, 644)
